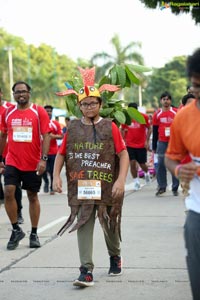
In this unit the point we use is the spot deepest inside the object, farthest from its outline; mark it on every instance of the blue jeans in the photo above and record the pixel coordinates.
(161, 169)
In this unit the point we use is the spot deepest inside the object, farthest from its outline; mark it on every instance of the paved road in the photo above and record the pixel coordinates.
(152, 248)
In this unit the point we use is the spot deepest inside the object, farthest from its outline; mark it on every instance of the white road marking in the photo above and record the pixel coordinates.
(52, 224)
(128, 187)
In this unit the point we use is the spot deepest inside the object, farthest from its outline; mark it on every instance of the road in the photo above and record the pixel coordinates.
(152, 249)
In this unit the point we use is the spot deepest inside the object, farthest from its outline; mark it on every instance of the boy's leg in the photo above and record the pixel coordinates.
(85, 241)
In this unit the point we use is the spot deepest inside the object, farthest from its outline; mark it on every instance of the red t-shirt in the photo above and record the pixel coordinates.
(163, 119)
(55, 129)
(136, 134)
(117, 138)
(24, 129)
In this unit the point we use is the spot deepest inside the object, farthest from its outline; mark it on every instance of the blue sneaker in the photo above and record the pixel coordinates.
(85, 279)
(115, 266)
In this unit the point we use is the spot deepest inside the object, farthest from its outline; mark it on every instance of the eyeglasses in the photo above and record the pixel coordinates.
(92, 104)
(23, 92)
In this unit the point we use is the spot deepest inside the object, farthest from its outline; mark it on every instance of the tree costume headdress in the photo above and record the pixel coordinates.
(89, 89)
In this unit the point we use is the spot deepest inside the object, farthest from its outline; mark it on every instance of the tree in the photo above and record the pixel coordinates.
(172, 78)
(42, 67)
(123, 55)
(194, 9)
(104, 61)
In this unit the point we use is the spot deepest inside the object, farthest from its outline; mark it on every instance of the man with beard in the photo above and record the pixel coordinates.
(18, 193)
(22, 126)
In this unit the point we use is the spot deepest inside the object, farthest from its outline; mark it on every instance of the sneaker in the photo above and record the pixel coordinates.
(115, 266)
(34, 241)
(52, 192)
(175, 193)
(20, 218)
(16, 236)
(147, 178)
(85, 279)
(46, 187)
(160, 191)
(136, 186)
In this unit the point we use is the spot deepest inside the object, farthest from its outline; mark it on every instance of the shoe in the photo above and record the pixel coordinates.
(175, 193)
(20, 218)
(147, 178)
(136, 186)
(160, 191)
(46, 187)
(34, 241)
(115, 266)
(85, 279)
(52, 192)
(16, 236)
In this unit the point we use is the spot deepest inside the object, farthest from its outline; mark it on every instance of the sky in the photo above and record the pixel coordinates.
(81, 28)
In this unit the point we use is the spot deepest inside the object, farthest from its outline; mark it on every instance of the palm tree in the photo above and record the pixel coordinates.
(123, 55)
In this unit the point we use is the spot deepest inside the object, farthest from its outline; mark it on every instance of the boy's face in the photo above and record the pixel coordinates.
(195, 86)
(90, 106)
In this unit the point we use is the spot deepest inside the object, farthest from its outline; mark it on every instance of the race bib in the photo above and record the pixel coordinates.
(22, 134)
(89, 189)
(167, 131)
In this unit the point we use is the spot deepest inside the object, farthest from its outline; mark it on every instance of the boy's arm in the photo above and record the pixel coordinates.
(119, 185)
(58, 165)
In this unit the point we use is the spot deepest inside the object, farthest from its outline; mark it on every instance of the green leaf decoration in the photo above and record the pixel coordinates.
(77, 112)
(70, 105)
(136, 115)
(107, 95)
(128, 82)
(132, 76)
(113, 75)
(105, 112)
(128, 118)
(121, 76)
(104, 80)
(120, 117)
(111, 101)
(139, 68)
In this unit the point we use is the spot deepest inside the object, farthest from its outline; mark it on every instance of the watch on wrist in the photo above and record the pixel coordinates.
(44, 157)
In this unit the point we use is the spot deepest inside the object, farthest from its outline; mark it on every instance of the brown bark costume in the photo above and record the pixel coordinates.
(91, 156)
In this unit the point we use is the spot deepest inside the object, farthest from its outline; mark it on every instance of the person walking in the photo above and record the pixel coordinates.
(67, 120)
(23, 125)
(137, 137)
(184, 141)
(56, 133)
(162, 120)
(4, 105)
(96, 167)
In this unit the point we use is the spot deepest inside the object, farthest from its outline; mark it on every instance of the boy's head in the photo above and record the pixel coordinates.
(193, 72)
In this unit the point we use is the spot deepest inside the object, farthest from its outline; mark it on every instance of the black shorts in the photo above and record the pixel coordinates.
(138, 154)
(27, 180)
